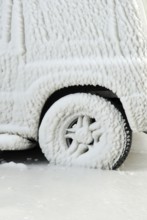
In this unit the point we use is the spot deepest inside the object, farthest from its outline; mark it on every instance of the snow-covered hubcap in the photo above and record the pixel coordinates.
(82, 134)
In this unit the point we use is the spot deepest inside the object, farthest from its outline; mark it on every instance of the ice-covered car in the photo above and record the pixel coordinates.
(73, 77)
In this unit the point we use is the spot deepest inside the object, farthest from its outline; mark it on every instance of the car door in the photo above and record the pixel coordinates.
(11, 56)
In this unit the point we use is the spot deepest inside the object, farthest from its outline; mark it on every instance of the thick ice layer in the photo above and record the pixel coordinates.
(48, 45)
(108, 133)
(12, 165)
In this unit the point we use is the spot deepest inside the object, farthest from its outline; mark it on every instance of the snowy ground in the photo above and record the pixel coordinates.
(30, 189)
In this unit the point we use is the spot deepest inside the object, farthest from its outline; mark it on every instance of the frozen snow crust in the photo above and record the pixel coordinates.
(107, 131)
(48, 45)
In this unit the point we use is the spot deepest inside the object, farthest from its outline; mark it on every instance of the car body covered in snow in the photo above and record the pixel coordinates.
(48, 46)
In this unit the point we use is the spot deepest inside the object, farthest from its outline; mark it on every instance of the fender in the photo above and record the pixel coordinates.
(51, 78)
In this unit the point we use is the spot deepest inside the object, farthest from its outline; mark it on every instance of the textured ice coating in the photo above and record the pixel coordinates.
(47, 45)
(95, 28)
(108, 131)
(12, 165)
(12, 142)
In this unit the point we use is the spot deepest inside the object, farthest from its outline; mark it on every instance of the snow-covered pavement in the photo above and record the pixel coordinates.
(33, 190)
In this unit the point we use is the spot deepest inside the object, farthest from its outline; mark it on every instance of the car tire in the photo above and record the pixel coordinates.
(85, 130)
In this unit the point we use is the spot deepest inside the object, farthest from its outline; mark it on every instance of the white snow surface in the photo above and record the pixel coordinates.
(44, 192)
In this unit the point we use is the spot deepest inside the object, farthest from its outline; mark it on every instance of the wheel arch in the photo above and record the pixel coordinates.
(99, 90)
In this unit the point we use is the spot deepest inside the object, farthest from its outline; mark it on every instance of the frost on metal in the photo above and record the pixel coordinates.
(97, 143)
(52, 44)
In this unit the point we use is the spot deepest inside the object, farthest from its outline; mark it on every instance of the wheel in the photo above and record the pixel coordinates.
(85, 130)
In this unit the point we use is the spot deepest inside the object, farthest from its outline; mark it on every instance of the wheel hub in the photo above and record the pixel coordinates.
(83, 136)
